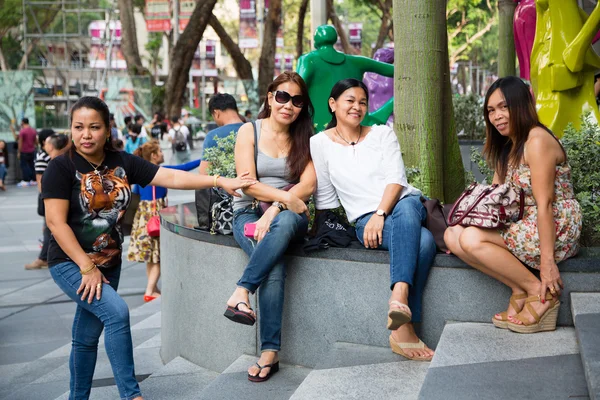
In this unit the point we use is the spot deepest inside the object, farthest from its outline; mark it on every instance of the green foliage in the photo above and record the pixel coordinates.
(13, 51)
(158, 98)
(468, 116)
(221, 157)
(484, 168)
(583, 149)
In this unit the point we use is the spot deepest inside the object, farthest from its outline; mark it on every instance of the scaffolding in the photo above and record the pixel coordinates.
(64, 68)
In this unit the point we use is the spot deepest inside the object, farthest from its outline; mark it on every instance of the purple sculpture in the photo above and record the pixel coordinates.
(381, 88)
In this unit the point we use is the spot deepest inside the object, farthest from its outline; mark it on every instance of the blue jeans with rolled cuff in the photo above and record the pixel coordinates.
(411, 246)
(109, 313)
(265, 270)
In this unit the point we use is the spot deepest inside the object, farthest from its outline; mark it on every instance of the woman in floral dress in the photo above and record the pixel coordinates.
(142, 247)
(525, 153)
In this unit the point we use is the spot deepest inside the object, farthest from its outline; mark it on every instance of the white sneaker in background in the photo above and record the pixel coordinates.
(32, 183)
(23, 184)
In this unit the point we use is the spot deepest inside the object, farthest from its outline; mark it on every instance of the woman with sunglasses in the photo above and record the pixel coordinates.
(362, 167)
(276, 150)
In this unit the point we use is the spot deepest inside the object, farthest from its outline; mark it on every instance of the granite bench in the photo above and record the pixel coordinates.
(333, 295)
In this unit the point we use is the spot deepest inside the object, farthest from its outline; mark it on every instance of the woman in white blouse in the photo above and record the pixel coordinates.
(362, 168)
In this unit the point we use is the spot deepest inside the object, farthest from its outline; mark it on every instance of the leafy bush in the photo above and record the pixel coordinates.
(221, 157)
(484, 168)
(468, 116)
(583, 150)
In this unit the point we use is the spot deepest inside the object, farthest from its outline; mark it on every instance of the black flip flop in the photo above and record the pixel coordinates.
(239, 316)
(258, 378)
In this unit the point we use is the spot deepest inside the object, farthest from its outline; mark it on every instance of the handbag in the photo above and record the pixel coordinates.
(436, 221)
(488, 206)
(214, 209)
(153, 226)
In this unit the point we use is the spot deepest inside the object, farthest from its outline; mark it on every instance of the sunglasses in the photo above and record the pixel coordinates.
(283, 97)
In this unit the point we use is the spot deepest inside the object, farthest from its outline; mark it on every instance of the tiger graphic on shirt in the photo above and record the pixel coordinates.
(104, 196)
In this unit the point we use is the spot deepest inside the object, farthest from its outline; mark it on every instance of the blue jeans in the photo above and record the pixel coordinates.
(110, 313)
(266, 269)
(411, 247)
(3, 172)
(27, 162)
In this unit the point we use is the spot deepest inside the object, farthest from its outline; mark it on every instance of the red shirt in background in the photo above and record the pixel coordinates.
(28, 136)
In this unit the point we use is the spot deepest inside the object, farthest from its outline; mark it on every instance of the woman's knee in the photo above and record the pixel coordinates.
(427, 244)
(451, 236)
(116, 311)
(408, 206)
(287, 220)
(470, 239)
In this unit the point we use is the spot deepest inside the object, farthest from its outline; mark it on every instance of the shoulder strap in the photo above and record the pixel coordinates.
(255, 148)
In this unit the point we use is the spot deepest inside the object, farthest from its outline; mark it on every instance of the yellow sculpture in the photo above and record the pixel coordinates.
(563, 63)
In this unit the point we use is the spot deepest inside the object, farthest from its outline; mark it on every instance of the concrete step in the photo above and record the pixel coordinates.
(480, 361)
(585, 308)
(233, 383)
(355, 371)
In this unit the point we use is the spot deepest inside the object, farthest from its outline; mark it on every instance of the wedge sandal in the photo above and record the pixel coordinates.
(398, 316)
(503, 322)
(398, 348)
(545, 322)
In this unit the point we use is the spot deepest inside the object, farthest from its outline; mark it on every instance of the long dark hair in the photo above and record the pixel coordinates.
(96, 104)
(301, 129)
(502, 151)
(337, 90)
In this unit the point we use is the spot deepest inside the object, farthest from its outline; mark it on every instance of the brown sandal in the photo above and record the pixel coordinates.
(545, 322)
(398, 316)
(503, 322)
(398, 348)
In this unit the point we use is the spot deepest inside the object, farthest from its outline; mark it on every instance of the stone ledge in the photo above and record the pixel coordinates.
(588, 259)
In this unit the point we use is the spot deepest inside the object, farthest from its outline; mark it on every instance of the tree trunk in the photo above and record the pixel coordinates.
(3, 66)
(266, 63)
(424, 120)
(386, 22)
(331, 15)
(242, 66)
(300, 31)
(183, 54)
(506, 38)
(129, 40)
(44, 24)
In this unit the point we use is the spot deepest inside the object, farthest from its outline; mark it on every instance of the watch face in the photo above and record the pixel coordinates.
(380, 213)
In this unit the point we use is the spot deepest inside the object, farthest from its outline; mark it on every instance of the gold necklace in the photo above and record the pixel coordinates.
(98, 166)
(350, 143)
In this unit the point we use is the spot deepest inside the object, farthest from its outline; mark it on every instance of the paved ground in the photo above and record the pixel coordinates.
(35, 316)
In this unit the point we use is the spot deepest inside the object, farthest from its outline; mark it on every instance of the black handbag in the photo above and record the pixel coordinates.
(436, 221)
(214, 209)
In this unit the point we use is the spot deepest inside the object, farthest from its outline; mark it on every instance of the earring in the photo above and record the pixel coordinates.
(107, 139)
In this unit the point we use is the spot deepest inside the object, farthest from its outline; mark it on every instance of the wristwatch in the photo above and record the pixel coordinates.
(381, 213)
(279, 205)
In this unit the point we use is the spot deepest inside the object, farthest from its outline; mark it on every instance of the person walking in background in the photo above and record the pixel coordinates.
(41, 163)
(362, 167)
(86, 192)
(115, 134)
(248, 115)
(125, 130)
(178, 136)
(139, 119)
(142, 247)
(157, 127)
(27, 142)
(3, 164)
(525, 153)
(223, 108)
(134, 140)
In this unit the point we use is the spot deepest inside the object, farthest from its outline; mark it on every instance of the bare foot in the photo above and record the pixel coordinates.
(406, 334)
(266, 357)
(511, 311)
(240, 295)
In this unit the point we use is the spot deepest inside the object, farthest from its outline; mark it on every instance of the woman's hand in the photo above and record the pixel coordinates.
(551, 279)
(91, 284)
(295, 204)
(373, 233)
(232, 184)
(263, 225)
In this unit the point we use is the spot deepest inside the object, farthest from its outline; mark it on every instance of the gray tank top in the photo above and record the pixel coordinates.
(271, 171)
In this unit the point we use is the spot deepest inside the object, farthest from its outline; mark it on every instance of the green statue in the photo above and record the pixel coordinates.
(563, 63)
(325, 66)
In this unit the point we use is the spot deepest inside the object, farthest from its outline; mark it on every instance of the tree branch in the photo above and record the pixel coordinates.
(469, 41)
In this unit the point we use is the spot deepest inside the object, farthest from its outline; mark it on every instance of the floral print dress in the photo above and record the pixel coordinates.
(522, 237)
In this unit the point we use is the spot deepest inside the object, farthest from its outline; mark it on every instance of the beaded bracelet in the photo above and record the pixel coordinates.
(87, 271)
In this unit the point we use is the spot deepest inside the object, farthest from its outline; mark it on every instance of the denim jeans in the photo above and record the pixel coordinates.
(3, 172)
(411, 247)
(266, 270)
(27, 163)
(109, 313)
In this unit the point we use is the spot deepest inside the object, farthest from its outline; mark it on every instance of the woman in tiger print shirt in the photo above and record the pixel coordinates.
(86, 192)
